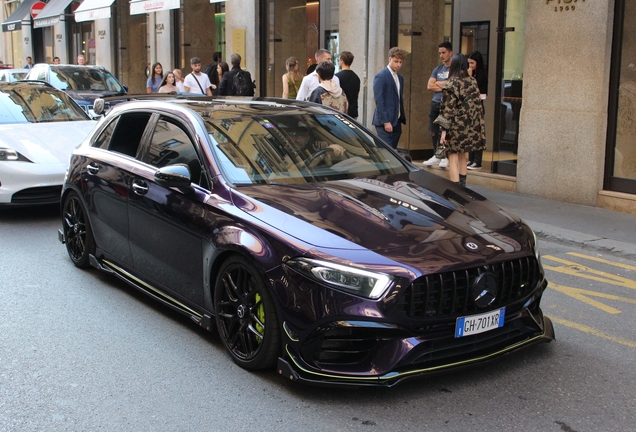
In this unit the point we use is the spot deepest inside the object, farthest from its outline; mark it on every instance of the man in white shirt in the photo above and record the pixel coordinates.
(310, 82)
(197, 82)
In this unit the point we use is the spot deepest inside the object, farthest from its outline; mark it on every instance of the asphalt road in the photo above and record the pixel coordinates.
(81, 351)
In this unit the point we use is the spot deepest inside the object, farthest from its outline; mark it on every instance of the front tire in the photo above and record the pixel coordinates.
(78, 234)
(245, 315)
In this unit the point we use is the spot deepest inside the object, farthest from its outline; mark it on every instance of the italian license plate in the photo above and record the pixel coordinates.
(470, 325)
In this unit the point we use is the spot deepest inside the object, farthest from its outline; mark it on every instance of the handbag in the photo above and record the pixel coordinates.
(440, 151)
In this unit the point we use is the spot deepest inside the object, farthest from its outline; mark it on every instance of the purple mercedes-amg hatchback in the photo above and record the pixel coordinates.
(307, 242)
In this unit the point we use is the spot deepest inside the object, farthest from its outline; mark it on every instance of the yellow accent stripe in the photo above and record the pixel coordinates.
(176, 302)
(594, 332)
(601, 260)
(583, 295)
(575, 269)
(391, 375)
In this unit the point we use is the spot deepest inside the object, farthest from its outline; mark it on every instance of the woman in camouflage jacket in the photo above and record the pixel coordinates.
(461, 118)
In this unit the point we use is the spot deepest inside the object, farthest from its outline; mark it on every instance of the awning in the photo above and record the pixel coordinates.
(22, 13)
(50, 15)
(146, 6)
(91, 10)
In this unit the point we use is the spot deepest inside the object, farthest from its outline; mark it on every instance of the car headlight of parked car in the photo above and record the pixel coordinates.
(349, 279)
(8, 154)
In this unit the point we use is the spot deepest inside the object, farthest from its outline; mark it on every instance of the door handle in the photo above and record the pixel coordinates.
(140, 187)
(92, 168)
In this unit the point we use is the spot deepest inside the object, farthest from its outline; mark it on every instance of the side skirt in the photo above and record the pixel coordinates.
(203, 320)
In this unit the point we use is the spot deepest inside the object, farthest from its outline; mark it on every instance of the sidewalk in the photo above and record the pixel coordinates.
(590, 228)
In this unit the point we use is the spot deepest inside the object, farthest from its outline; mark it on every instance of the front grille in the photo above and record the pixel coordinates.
(448, 295)
(38, 195)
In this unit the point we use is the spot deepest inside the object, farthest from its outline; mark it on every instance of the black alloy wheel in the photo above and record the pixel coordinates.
(245, 315)
(78, 234)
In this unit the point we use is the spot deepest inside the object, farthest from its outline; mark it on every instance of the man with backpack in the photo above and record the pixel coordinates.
(236, 82)
(328, 92)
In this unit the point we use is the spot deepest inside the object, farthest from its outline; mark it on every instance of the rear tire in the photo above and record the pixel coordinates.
(245, 315)
(78, 234)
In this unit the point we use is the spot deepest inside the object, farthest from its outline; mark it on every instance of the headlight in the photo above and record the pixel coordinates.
(349, 279)
(8, 154)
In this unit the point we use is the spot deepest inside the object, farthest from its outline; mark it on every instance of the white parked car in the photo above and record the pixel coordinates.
(11, 75)
(39, 127)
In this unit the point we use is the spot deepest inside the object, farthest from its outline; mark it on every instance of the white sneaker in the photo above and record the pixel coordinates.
(432, 161)
(443, 163)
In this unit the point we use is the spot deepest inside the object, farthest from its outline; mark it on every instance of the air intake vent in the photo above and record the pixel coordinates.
(38, 195)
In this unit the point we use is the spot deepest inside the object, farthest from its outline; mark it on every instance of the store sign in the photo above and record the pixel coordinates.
(564, 5)
(147, 6)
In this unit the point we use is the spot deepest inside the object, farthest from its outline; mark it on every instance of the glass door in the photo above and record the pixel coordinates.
(414, 24)
(132, 46)
(620, 161)
(290, 29)
(511, 38)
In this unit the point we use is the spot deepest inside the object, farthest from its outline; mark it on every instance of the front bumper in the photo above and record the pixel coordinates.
(23, 183)
(419, 356)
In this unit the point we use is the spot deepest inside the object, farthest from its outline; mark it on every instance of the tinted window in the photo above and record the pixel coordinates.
(297, 149)
(37, 104)
(128, 132)
(171, 145)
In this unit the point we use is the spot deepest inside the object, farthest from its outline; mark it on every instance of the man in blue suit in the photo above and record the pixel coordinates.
(388, 91)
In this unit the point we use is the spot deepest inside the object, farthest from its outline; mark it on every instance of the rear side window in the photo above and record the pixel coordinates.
(103, 140)
(171, 145)
(127, 133)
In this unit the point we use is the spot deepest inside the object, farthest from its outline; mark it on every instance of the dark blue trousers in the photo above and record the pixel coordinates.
(392, 138)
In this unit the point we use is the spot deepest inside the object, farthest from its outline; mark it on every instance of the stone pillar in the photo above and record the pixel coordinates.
(353, 27)
(59, 42)
(377, 40)
(565, 97)
(151, 19)
(163, 47)
(103, 46)
(244, 15)
(27, 45)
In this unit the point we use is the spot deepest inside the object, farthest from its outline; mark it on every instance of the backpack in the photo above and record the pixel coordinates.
(338, 103)
(242, 84)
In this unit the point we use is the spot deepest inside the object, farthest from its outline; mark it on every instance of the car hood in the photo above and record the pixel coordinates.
(382, 213)
(91, 95)
(45, 143)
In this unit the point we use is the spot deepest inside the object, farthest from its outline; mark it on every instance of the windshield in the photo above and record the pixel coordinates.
(70, 78)
(37, 104)
(297, 149)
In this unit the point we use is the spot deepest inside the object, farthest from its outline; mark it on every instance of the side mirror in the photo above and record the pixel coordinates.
(176, 176)
(98, 106)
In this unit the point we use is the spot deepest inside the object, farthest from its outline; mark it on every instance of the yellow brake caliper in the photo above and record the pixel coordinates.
(260, 313)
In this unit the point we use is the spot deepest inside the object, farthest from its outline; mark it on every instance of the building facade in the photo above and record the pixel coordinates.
(561, 105)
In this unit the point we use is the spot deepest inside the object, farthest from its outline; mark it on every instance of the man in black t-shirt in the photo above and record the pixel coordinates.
(349, 82)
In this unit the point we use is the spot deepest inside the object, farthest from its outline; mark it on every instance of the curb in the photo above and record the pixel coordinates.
(585, 241)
